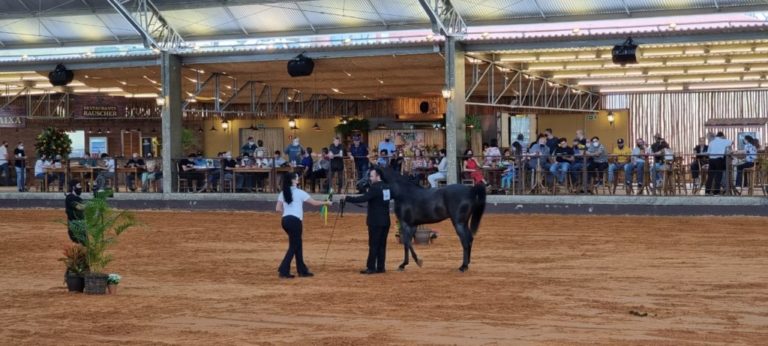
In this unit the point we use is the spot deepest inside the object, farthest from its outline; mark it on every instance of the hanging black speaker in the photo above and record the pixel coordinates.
(300, 66)
(60, 76)
(625, 53)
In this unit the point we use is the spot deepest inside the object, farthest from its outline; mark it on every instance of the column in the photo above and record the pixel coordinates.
(170, 69)
(455, 131)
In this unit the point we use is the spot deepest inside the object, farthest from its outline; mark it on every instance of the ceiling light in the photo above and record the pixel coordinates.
(316, 127)
(576, 30)
(485, 35)
(447, 93)
(430, 37)
(160, 101)
(348, 74)
(335, 90)
(724, 86)
(672, 26)
(381, 81)
(347, 40)
(225, 124)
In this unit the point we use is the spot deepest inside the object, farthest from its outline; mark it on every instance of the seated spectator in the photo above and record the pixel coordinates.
(135, 162)
(108, 172)
(492, 153)
(621, 158)
(187, 171)
(151, 172)
(636, 165)
(598, 160)
(508, 176)
(40, 166)
(442, 169)
(473, 168)
(563, 156)
(320, 169)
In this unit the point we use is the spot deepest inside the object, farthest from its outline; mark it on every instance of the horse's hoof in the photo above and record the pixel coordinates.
(463, 269)
(401, 269)
(419, 262)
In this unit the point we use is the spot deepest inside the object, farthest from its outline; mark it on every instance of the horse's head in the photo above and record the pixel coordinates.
(398, 184)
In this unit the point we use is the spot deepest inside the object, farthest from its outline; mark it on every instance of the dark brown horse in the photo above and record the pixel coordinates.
(416, 205)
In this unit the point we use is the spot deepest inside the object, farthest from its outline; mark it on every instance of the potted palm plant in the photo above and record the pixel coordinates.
(99, 231)
(77, 264)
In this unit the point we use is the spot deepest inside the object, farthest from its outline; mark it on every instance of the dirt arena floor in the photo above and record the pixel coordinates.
(210, 278)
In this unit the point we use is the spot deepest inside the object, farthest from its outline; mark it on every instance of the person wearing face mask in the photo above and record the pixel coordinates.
(249, 147)
(598, 161)
(20, 164)
(621, 155)
(359, 152)
(336, 155)
(4, 162)
(293, 151)
(472, 168)
(636, 165)
(563, 159)
(135, 162)
(74, 207)
(387, 144)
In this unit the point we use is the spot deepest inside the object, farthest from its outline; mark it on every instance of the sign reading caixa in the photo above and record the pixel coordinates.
(12, 120)
(99, 111)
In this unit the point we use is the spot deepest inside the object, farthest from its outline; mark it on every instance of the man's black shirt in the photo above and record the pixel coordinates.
(71, 203)
(378, 206)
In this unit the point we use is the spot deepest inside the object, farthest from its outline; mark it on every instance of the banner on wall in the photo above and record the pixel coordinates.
(12, 121)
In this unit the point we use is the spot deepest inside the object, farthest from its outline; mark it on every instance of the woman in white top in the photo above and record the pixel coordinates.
(290, 201)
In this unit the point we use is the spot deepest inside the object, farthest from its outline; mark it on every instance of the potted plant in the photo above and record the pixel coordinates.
(100, 230)
(76, 262)
(112, 281)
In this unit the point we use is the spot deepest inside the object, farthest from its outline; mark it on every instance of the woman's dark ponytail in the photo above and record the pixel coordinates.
(287, 184)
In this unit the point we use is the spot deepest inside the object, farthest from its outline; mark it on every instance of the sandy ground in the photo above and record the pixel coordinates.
(210, 278)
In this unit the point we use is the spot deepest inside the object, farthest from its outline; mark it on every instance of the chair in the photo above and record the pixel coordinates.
(184, 185)
(350, 176)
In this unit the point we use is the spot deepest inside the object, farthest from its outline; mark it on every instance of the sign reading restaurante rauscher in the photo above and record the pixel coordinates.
(7, 120)
(99, 111)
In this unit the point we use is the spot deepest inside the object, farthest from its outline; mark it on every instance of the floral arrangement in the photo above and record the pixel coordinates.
(52, 142)
(113, 279)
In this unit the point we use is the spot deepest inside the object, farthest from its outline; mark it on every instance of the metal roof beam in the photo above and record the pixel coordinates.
(232, 16)
(626, 8)
(150, 25)
(93, 10)
(445, 19)
(305, 17)
(544, 16)
(381, 18)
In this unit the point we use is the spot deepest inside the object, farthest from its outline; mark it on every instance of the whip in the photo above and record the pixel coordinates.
(342, 203)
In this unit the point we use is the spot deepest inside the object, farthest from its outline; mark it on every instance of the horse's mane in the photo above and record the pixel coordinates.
(397, 178)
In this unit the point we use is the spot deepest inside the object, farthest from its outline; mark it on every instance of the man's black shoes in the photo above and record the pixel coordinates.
(367, 272)
(286, 276)
(306, 275)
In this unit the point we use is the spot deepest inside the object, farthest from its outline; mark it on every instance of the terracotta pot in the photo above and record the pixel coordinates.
(112, 289)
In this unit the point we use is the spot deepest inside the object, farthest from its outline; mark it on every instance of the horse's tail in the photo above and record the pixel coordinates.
(478, 207)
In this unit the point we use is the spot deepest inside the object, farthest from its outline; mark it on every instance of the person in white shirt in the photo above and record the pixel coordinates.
(107, 173)
(4, 162)
(717, 150)
(290, 202)
(442, 169)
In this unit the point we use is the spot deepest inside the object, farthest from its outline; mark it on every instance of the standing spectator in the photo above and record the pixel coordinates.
(387, 144)
(599, 160)
(135, 162)
(582, 139)
(519, 144)
(563, 160)
(442, 169)
(492, 154)
(552, 141)
(290, 202)
(621, 156)
(294, 151)
(74, 207)
(578, 163)
(359, 152)
(718, 148)
(4, 162)
(249, 147)
(750, 152)
(336, 155)
(383, 159)
(307, 162)
(701, 159)
(20, 165)
(108, 172)
(657, 148)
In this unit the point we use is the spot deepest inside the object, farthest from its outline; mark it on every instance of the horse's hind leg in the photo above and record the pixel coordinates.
(405, 237)
(466, 243)
(419, 262)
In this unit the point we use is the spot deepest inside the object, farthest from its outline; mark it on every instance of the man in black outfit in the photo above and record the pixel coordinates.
(74, 208)
(377, 220)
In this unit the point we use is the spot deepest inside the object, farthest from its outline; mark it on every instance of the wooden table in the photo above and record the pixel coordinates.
(125, 171)
(271, 171)
(55, 170)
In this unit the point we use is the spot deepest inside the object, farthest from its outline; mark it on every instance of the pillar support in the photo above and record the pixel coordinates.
(170, 69)
(455, 131)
